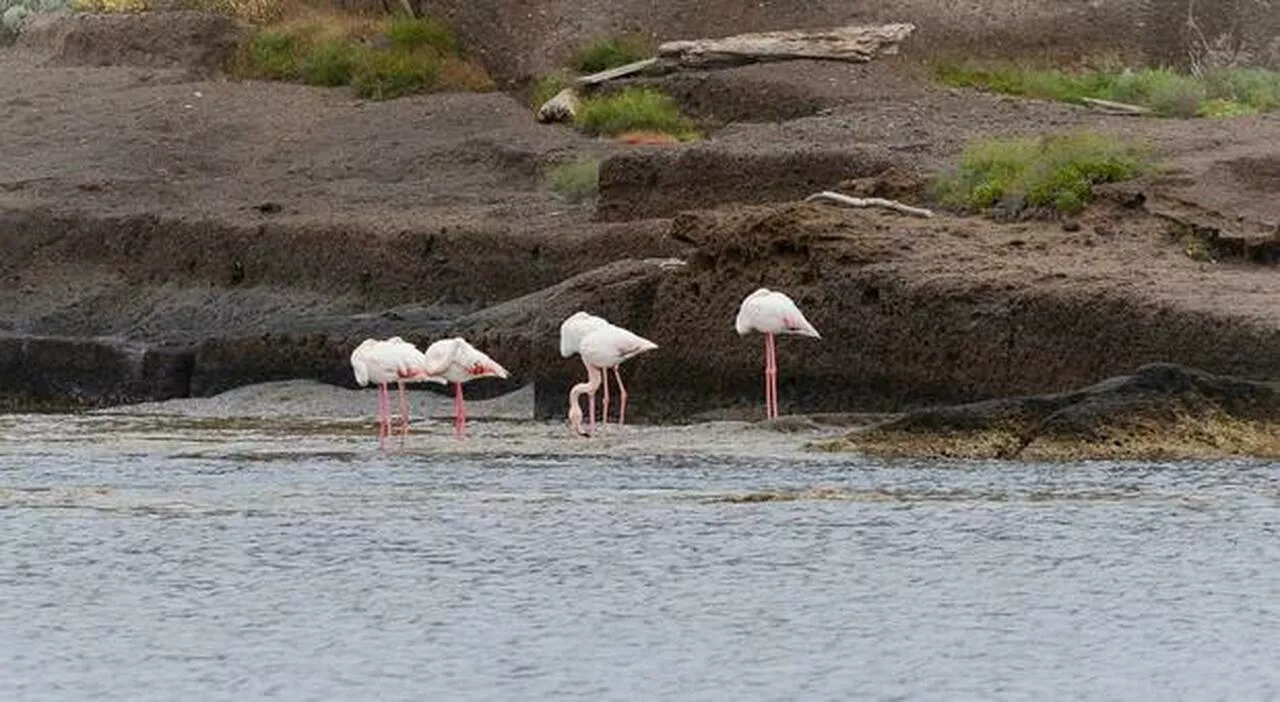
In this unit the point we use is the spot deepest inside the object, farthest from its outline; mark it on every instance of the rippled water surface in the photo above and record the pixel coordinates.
(149, 559)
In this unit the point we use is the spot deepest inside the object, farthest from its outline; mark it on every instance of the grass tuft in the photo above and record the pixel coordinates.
(1223, 93)
(1055, 172)
(610, 52)
(548, 85)
(631, 110)
(381, 59)
(576, 180)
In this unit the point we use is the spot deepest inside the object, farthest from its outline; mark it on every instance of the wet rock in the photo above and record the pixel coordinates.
(1162, 410)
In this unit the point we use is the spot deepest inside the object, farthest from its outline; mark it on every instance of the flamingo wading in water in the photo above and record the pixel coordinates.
(456, 361)
(770, 313)
(572, 330)
(607, 346)
(382, 362)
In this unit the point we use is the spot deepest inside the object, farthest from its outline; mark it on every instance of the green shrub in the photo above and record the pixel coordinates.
(273, 54)
(633, 109)
(332, 63)
(386, 75)
(610, 52)
(576, 180)
(1253, 87)
(1167, 93)
(1054, 171)
(414, 33)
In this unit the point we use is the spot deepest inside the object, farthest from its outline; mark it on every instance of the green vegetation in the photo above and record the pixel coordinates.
(548, 85)
(1052, 172)
(576, 180)
(633, 110)
(380, 59)
(610, 52)
(1222, 93)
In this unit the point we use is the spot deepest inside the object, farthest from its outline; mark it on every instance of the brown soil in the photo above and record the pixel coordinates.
(193, 235)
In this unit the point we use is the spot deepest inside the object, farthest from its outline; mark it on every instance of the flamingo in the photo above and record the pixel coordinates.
(572, 329)
(605, 347)
(382, 362)
(770, 312)
(456, 361)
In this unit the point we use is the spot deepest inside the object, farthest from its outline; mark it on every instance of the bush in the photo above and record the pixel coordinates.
(329, 49)
(1056, 171)
(633, 109)
(576, 180)
(1167, 93)
(386, 75)
(332, 63)
(610, 52)
(416, 33)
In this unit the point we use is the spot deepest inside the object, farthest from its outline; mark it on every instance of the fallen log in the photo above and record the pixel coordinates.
(854, 43)
(560, 108)
(1115, 108)
(870, 202)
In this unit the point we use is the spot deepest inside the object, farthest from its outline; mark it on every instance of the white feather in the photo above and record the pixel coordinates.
(574, 328)
(771, 312)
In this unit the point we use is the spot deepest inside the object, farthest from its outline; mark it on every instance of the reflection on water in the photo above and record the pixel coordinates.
(148, 559)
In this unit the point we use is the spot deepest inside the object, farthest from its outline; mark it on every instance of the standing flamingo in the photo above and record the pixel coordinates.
(457, 362)
(605, 347)
(382, 362)
(770, 312)
(572, 329)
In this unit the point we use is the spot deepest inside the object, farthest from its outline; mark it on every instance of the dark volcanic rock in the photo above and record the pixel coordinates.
(51, 372)
(1160, 411)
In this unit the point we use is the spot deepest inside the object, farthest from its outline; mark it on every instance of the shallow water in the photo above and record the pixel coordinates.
(153, 558)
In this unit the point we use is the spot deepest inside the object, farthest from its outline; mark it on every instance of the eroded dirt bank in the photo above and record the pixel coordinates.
(167, 236)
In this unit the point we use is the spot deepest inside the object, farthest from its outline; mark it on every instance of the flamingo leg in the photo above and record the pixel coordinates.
(604, 419)
(459, 413)
(770, 378)
(404, 410)
(622, 394)
(771, 375)
(591, 400)
(382, 415)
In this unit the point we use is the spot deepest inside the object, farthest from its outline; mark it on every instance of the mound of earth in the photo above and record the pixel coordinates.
(1161, 411)
(200, 42)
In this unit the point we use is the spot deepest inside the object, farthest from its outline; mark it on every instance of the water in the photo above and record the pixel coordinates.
(153, 559)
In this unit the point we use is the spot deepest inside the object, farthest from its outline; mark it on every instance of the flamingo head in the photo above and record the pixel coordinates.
(575, 420)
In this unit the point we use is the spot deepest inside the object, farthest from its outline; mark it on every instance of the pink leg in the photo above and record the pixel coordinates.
(591, 399)
(622, 395)
(382, 415)
(604, 419)
(773, 376)
(404, 410)
(768, 389)
(459, 416)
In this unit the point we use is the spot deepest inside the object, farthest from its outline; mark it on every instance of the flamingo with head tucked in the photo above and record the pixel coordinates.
(382, 362)
(456, 361)
(572, 330)
(770, 313)
(605, 347)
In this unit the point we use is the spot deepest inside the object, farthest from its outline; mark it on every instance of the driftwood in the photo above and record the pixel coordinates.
(1116, 108)
(858, 44)
(870, 202)
(560, 108)
(619, 72)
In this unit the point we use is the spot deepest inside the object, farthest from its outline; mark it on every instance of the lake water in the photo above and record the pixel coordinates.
(147, 558)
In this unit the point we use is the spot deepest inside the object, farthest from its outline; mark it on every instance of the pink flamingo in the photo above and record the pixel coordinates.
(456, 361)
(605, 347)
(572, 330)
(770, 313)
(382, 362)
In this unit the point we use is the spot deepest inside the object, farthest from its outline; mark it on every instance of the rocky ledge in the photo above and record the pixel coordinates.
(1161, 411)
